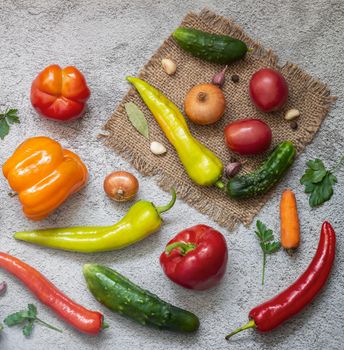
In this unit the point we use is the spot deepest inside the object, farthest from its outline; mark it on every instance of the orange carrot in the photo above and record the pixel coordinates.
(290, 226)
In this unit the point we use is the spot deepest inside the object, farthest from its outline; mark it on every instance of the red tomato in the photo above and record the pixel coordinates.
(60, 94)
(268, 90)
(248, 136)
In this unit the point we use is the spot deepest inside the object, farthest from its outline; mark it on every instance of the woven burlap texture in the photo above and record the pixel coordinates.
(311, 97)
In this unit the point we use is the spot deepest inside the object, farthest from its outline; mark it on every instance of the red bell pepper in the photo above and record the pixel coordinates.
(196, 258)
(60, 94)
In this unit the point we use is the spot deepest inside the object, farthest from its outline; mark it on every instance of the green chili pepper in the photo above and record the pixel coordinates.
(142, 219)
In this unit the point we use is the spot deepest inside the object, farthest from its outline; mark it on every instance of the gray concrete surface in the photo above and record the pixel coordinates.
(108, 40)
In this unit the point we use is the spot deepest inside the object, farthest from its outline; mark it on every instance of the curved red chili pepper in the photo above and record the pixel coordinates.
(84, 320)
(272, 313)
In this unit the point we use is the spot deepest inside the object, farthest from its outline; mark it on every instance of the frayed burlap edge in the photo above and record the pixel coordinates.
(185, 190)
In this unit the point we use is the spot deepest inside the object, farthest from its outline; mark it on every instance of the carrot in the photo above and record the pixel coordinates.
(290, 226)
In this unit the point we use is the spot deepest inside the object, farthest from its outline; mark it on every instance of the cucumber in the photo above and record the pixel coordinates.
(269, 173)
(121, 295)
(210, 47)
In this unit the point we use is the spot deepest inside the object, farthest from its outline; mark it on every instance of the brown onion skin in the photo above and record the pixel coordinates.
(121, 186)
(205, 104)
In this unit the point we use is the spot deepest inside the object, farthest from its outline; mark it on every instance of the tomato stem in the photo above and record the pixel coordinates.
(250, 324)
(168, 206)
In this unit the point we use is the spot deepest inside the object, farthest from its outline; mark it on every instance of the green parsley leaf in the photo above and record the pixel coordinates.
(6, 119)
(4, 128)
(11, 116)
(27, 329)
(318, 182)
(16, 318)
(32, 311)
(29, 317)
(266, 242)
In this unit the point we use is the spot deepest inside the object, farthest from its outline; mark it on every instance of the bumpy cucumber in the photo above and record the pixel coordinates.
(121, 295)
(210, 47)
(269, 173)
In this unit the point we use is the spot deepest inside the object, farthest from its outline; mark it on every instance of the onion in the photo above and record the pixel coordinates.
(205, 104)
(121, 186)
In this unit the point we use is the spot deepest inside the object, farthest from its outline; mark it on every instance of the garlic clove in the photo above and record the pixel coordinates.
(232, 169)
(292, 114)
(157, 148)
(219, 78)
(169, 66)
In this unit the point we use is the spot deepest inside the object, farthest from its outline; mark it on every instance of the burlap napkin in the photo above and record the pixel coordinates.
(311, 97)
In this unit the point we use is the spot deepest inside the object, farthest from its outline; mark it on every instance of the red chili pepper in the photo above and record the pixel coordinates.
(196, 258)
(292, 300)
(84, 320)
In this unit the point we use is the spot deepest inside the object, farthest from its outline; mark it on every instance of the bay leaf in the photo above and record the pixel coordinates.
(137, 118)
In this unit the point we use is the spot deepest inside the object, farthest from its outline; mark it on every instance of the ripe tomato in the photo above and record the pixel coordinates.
(268, 90)
(248, 136)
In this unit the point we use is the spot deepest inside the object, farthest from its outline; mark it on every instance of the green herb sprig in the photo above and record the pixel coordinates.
(266, 242)
(319, 181)
(6, 119)
(27, 318)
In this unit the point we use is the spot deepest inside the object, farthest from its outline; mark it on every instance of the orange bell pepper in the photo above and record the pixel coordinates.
(60, 94)
(44, 175)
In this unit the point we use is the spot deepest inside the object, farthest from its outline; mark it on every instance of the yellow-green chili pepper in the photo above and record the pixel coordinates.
(202, 165)
(142, 219)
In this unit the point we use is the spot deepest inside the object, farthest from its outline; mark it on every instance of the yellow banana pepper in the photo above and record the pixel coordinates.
(142, 219)
(202, 165)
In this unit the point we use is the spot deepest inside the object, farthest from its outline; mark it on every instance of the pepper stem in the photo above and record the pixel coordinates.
(219, 184)
(168, 206)
(184, 247)
(105, 325)
(250, 324)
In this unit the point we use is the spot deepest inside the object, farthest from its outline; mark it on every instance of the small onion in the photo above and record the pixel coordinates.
(121, 186)
(205, 104)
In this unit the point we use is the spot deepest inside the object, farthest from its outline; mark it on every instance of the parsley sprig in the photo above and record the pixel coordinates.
(266, 242)
(6, 119)
(319, 181)
(27, 318)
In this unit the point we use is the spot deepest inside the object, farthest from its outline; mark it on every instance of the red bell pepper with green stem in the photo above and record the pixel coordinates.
(292, 300)
(196, 258)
